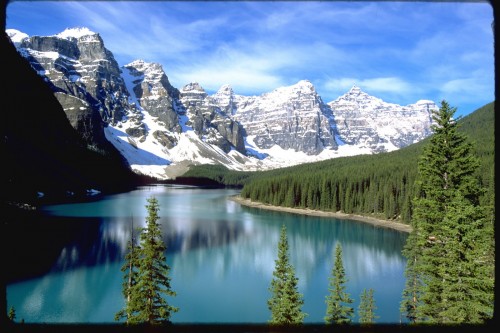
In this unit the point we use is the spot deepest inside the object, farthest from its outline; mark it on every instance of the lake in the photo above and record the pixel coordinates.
(221, 255)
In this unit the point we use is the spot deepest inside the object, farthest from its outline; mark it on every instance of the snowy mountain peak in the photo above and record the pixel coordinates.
(193, 94)
(224, 96)
(75, 33)
(356, 97)
(296, 91)
(225, 89)
(303, 86)
(16, 36)
(149, 68)
(137, 63)
(193, 87)
(161, 130)
(355, 90)
(362, 119)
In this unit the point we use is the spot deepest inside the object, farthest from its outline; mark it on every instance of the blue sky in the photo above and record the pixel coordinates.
(398, 51)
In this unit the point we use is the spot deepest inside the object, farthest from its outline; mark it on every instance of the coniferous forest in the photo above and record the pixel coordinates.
(379, 185)
(443, 187)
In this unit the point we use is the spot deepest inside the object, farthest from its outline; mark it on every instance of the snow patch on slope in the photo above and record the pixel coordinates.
(75, 33)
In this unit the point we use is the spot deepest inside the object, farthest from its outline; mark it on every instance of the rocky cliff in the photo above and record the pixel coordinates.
(44, 157)
(83, 73)
(368, 121)
(161, 130)
(291, 117)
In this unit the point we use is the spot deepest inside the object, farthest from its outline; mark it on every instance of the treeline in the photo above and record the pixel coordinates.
(361, 184)
(208, 173)
(380, 185)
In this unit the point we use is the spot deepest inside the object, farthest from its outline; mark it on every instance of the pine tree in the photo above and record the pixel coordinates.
(12, 314)
(130, 268)
(449, 272)
(338, 310)
(145, 296)
(286, 302)
(413, 285)
(366, 310)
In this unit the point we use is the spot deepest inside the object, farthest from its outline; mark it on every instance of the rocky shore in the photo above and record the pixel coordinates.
(366, 219)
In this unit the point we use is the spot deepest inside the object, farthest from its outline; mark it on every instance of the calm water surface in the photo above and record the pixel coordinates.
(221, 255)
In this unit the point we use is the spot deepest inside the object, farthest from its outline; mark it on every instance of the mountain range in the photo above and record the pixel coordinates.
(161, 130)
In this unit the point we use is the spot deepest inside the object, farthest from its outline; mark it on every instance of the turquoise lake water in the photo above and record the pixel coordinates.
(221, 256)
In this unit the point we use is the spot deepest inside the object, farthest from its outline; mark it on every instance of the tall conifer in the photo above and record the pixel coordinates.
(286, 302)
(146, 301)
(338, 309)
(12, 314)
(366, 309)
(449, 270)
(129, 269)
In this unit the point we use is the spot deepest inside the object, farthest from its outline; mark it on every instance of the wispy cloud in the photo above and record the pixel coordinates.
(402, 51)
(393, 88)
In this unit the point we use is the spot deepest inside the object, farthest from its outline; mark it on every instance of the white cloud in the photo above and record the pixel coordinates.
(469, 89)
(400, 52)
(387, 84)
(251, 69)
(340, 84)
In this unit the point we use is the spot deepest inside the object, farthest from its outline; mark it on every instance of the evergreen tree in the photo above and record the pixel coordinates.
(286, 302)
(12, 314)
(413, 284)
(449, 273)
(130, 268)
(366, 310)
(338, 310)
(145, 296)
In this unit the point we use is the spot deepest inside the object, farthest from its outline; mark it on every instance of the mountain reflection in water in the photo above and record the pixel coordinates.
(222, 256)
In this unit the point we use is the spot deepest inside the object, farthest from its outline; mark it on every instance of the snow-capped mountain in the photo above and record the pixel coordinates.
(84, 76)
(368, 121)
(162, 130)
(293, 118)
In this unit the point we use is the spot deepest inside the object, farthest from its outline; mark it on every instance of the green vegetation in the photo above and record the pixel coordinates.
(380, 185)
(443, 186)
(129, 269)
(450, 252)
(147, 276)
(12, 314)
(338, 309)
(217, 173)
(366, 309)
(286, 302)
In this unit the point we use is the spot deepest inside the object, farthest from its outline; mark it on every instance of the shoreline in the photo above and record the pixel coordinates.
(366, 219)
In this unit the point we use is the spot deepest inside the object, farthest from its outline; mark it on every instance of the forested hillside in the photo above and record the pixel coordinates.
(380, 185)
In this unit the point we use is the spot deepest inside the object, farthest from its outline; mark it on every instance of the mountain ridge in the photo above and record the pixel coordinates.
(45, 158)
(145, 118)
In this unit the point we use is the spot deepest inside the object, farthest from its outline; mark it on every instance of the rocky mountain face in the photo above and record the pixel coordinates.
(365, 120)
(291, 117)
(44, 158)
(207, 119)
(83, 74)
(159, 128)
(154, 94)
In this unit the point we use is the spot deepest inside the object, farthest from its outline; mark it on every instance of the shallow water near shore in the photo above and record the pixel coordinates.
(221, 255)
